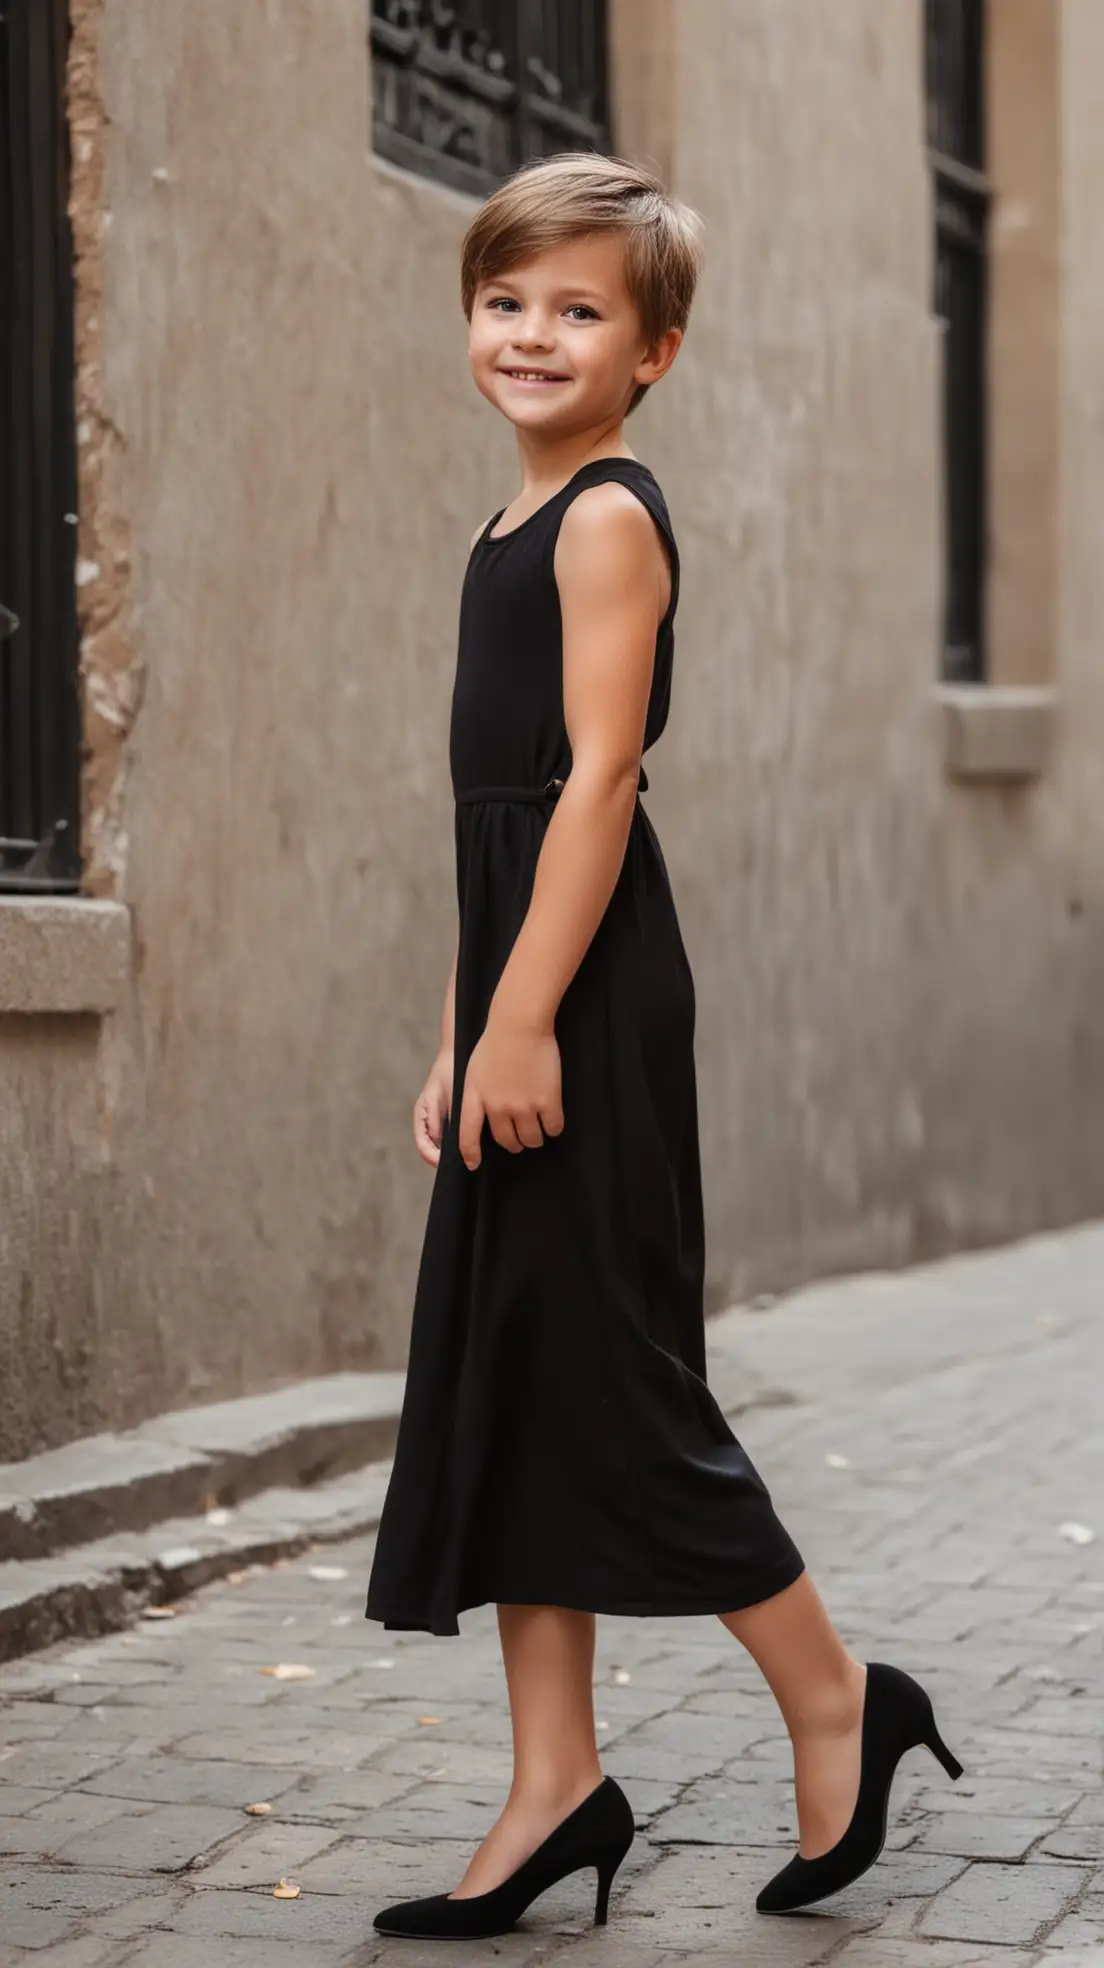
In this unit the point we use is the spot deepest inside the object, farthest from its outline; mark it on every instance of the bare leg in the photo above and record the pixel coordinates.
(819, 1687)
(548, 1653)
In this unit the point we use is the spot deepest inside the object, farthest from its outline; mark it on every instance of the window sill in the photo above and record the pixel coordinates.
(996, 731)
(62, 954)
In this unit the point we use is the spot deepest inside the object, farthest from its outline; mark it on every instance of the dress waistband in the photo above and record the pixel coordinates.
(526, 795)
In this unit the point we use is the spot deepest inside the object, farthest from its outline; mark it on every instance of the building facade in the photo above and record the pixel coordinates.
(881, 788)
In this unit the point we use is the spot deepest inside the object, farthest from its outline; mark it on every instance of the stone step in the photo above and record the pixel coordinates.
(106, 1584)
(182, 1464)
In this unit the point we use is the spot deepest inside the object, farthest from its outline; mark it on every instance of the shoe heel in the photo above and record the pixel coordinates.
(934, 1741)
(607, 1868)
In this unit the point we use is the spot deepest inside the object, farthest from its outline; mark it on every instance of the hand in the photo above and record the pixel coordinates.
(513, 1081)
(432, 1108)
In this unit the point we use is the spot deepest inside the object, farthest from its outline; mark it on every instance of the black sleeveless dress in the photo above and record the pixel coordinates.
(558, 1443)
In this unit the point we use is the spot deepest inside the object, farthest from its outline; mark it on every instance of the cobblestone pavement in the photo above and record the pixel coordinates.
(934, 1440)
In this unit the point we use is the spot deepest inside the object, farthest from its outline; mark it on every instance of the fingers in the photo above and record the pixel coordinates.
(552, 1119)
(472, 1114)
(528, 1130)
(513, 1131)
(427, 1136)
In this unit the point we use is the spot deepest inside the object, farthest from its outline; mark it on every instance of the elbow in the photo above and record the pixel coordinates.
(606, 782)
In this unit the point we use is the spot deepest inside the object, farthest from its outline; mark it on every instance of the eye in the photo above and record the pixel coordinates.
(580, 307)
(503, 300)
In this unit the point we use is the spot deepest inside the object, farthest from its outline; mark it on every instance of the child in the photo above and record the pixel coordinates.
(559, 1452)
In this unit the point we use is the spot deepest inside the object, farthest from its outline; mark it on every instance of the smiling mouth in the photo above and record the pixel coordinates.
(533, 376)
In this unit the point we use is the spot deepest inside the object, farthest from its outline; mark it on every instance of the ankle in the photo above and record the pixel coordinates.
(834, 1707)
(553, 1793)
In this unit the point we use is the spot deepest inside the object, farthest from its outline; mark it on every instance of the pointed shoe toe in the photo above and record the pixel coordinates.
(785, 1891)
(897, 1716)
(414, 1918)
(442, 1918)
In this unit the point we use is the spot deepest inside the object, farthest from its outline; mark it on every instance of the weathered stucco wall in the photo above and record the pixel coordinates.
(896, 972)
(899, 979)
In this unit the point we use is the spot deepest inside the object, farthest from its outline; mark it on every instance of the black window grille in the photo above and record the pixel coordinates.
(39, 706)
(465, 93)
(955, 62)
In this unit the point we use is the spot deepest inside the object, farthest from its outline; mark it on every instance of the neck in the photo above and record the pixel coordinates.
(549, 462)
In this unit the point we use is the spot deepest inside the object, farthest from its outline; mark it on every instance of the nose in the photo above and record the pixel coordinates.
(531, 330)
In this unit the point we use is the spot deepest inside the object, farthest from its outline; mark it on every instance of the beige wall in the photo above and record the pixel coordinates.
(899, 979)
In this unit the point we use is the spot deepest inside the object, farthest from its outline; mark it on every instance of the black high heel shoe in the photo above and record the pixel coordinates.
(598, 1832)
(897, 1716)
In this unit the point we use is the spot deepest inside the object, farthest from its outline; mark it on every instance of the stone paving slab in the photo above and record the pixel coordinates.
(1003, 1904)
(895, 1451)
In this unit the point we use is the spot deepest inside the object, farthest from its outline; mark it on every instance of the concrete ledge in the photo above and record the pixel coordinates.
(104, 1586)
(187, 1462)
(996, 731)
(59, 953)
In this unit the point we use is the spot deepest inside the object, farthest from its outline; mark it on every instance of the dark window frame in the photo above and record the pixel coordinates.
(40, 728)
(955, 57)
(463, 94)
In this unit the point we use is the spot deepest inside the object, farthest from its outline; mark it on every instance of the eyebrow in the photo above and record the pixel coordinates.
(580, 293)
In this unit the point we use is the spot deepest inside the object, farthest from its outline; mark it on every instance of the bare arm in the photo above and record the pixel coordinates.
(613, 577)
(612, 574)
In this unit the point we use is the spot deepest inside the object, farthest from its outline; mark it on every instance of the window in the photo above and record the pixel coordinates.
(39, 707)
(955, 64)
(466, 93)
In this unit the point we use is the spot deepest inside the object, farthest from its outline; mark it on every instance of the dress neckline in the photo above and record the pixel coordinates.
(490, 539)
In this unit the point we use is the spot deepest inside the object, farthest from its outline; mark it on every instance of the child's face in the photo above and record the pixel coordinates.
(566, 313)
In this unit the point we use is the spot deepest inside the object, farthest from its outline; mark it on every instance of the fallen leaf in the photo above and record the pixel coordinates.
(622, 1677)
(838, 1461)
(380, 1663)
(159, 1612)
(258, 1810)
(343, 1619)
(218, 1517)
(290, 1671)
(286, 1890)
(1077, 1533)
(428, 1721)
(326, 1573)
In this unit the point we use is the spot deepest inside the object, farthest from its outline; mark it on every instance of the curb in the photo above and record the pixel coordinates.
(104, 1586)
(185, 1463)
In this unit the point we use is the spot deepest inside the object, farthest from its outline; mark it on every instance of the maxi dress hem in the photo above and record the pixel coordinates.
(736, 1601)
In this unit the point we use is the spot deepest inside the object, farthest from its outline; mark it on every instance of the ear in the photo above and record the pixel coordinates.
(657, 359)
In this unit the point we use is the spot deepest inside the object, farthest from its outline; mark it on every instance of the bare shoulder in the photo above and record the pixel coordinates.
(481, 529)
(608, 537)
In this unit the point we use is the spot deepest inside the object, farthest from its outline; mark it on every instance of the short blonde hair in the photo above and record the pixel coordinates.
(555, 199)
